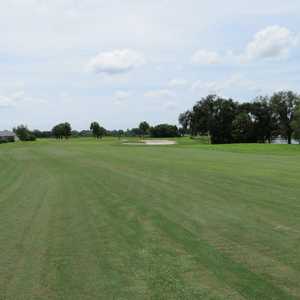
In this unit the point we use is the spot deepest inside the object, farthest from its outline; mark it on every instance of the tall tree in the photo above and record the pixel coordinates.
(144, 128)
(296, 124)
(96, 130)
(184, 120)
(242, 128)
(201, 115)
(226, 121)
(67, 130)
(220, 120)
(120, 133)
(62, 130)
(214, 116)
(102, 132)
(265, 125)
(284, 106)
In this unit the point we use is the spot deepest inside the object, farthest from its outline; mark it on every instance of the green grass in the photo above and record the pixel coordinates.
(85, 219)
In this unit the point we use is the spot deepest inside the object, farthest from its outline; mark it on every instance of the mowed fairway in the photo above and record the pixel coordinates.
(86, 219)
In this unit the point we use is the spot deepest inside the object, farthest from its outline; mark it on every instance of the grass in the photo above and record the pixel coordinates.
(86, 219)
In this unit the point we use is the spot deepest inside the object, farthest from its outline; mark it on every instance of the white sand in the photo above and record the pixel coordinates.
(152, 142)
(159, 142)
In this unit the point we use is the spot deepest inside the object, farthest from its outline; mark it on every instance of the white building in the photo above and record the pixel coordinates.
(7, 136)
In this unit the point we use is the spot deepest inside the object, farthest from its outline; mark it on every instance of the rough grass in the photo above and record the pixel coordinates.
(85, 219)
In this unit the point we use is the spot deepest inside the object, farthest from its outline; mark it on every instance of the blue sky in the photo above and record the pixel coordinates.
(121, 62)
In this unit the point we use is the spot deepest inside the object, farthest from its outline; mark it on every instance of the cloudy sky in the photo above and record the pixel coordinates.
(120, 62)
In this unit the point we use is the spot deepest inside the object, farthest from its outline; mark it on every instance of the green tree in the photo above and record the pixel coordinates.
(242, 128)
(62, 130)
(284, 107)
(144, 128)
(120, 133)
(95, 128)
(214, 116)
(296, 124)
(265, 125)
(67, 130)
(201, 115)
(57, 131)
(184, 120)
(24, 134)
(102, 132)
(164, 130)
(226, 121)
(221, 117)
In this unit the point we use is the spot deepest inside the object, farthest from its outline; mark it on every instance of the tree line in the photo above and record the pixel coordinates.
(157, 131)
(223, 120)
(228, 121)
(65, 131)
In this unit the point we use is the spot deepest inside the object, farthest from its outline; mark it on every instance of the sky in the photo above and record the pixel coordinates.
(121, 62)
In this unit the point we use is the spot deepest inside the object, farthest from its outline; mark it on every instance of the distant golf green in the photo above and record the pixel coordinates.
(87, 219)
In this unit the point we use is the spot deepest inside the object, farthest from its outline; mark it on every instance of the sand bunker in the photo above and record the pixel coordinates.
(159, 142)
(152, 142)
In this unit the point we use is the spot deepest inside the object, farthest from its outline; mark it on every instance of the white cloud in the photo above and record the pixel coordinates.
(273, 42)
(16, 98)
(240, 82)
(73, 32)
(116, 61)
(234, 82)
(177, 83)
(6, 102)
(11, 99)
(206, 57)
(163, 93)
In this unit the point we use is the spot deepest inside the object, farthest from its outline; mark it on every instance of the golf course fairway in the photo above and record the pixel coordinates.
(96, 219)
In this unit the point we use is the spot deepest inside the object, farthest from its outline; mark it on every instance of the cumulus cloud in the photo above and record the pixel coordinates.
(177, 83)
(273, 42)
(163, 93)
(116, 61)
(206, 57)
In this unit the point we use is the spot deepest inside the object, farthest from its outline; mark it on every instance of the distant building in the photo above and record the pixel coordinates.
(7, 136)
